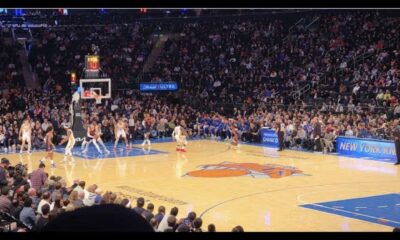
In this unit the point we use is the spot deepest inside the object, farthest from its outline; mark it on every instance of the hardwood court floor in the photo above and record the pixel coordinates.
(258, 188)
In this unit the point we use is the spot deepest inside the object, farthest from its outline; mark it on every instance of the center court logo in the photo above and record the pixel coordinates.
(255, 170)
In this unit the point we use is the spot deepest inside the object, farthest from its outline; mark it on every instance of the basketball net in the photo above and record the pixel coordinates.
(97, 97)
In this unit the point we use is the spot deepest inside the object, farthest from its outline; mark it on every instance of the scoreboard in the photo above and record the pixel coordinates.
(92, 63)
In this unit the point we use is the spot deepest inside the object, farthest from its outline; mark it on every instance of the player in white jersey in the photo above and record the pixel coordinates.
(184, 134)
(179, 136)
(120, 130)
(70, 138)
(176, 135)
(98, 138)
(25, 133)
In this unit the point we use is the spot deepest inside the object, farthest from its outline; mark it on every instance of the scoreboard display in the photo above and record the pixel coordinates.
(92, 63)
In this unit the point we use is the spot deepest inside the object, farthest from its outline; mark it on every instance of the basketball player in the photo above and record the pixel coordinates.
(71, 142)
(120, 131)
(184, 134)
(177, 136)
(280, 131)
(49, 145)
(25, 135)
(98, 138)
(147, 124)
(235, 135)
(91, 132)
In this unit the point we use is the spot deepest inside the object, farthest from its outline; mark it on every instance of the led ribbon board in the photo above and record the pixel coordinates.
(169, 86)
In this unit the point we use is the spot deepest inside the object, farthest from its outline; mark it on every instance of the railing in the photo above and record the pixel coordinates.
(312, 22)
(297, 94)
(276, 46)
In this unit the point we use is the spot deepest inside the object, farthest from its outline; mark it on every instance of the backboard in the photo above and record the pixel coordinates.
(95, 88)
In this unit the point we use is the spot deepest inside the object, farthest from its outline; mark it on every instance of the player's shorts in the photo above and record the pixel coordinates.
(121, 133)
(70, 144)
(177, 138)
(88, 139)
(26, 137)
(180, 139)
(49, 148)
(147, 130)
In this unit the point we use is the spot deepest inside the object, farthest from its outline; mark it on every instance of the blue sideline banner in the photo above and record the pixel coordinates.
(168, 86)
(373, 149)
(269, 137)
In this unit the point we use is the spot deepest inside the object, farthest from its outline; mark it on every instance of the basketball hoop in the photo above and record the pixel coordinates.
(97, 97)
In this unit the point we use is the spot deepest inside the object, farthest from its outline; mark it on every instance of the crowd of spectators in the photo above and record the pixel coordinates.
(231, 71)
(29, 201)
(10, 67)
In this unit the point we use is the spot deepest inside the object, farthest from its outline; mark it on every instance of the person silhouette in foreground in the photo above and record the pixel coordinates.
(99, 218)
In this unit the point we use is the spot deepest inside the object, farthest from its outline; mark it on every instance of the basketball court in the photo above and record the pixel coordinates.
(253, 186)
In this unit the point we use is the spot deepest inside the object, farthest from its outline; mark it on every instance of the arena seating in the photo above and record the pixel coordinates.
(337, 69)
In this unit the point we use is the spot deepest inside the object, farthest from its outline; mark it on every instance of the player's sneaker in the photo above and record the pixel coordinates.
(183, 150)
(143, 144)
(178, 149)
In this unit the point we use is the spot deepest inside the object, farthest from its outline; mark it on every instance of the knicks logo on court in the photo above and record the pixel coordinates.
(229, 169)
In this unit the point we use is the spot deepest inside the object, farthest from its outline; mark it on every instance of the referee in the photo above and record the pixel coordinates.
(280, 130)
(396, 134)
